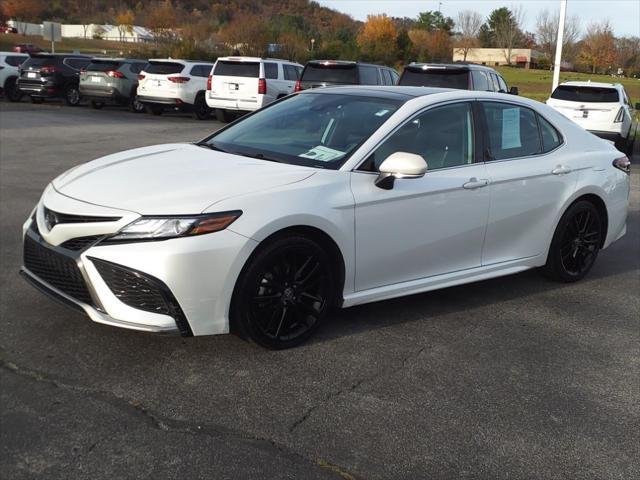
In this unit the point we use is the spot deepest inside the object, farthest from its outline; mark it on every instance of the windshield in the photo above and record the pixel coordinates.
(314, 129)
(586, 94)
(435, 78)
(332, 73)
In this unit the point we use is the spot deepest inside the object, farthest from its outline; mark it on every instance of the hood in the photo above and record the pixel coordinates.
(172, 179)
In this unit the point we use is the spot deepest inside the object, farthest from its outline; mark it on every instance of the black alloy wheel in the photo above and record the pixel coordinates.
(201, 110)
(576, 243)
(72, 96)
(135, 106)
(11, 91)
(284, 294)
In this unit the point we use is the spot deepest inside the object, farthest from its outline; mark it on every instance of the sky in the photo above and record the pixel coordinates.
(624, 15)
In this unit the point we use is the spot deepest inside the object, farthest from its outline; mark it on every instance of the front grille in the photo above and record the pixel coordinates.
(80, 243)
(142, 291)
(56, 269)
(69, 218)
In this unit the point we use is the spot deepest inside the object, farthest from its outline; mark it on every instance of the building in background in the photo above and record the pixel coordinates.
(493, 57)
(105, 32)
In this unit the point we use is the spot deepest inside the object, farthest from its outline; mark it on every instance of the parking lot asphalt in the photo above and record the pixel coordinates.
(512, 378)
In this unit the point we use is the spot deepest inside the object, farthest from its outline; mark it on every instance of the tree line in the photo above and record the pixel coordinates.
(303, 29)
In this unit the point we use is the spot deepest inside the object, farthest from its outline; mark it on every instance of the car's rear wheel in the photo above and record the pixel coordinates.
(223, 116)
(97, 105)
(135, 106)
(154, 109)
(11, 90)
(576, 243)
(72, 95)
(284, 293)
(201, 110)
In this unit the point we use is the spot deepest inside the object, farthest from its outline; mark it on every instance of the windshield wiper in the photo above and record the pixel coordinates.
(211, 147)
(259, 156)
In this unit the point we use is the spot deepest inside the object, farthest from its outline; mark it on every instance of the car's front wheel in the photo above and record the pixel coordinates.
(576, 243)
(72, 96)
(135, 106)
(201, 110)
(11, 91)
(284, 293)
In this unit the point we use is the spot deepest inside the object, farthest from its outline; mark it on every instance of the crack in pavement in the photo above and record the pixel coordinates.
(170, 425)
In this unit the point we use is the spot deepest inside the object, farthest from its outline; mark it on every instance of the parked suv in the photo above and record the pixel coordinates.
(176, 84)
(463, 76)
(48, 75)
(604, 109)
(239, 84)
(112, 80)
(9, 70)
(322, 73)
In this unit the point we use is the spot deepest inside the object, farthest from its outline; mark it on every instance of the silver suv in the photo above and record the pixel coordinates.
(112, 81)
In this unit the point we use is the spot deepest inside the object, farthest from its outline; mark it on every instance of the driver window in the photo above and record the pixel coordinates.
(442, 135)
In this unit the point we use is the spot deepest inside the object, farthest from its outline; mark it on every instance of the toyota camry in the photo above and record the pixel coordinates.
(327, 198)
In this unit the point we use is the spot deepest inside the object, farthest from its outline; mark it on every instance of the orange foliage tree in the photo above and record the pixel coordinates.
(21, 11)
(598, 46)
(377, 38)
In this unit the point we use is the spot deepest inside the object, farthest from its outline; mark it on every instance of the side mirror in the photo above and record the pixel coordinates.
(638, 106)
(514, 91)
(400, 165)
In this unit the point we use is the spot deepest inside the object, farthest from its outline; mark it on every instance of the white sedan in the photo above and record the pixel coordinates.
(331, 197)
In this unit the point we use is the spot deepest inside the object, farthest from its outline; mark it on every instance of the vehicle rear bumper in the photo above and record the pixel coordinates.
(174, 102)
(103, 94)
(39, 89)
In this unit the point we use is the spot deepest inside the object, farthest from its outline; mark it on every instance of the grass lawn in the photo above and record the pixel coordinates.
(67, 45)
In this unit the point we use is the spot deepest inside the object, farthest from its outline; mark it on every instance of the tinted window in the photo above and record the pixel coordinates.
(417, 77)
(512, 130)
(442, 135)
(332, 73)
(137, 67)
(77, 63)
(479, 80)
(291, 72)
(586, 94)
(386, 77)
(550, 136)
(163, 68)
(494, 79)
(237, 69)
(317, 129)
(103, 66)
(39, 61)
(14, 60)
(271, 70)
(394, 77)
(502, 84)
(368, 75)
(201, 70)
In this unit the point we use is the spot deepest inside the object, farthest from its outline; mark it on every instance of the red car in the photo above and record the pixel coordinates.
(8, 29)
(29, 48)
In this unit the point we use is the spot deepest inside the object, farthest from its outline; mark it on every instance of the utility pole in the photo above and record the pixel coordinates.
(558, 60)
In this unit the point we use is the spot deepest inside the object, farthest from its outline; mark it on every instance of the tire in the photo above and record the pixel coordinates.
(223, 116)
(283, 293)
(97, 105)
(72, 96)
(11, 90)
(154, 109)
(135, 106)
(201, 110)
(629, 146)
(37, 100)
(576, 243)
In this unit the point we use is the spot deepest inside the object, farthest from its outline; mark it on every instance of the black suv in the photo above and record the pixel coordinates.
(322, 73)
(49, 75)
(462, 76)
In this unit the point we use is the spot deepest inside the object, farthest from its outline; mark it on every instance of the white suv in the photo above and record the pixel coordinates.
(176, 84)
(245, 84)
(9, 71)
(604, 109)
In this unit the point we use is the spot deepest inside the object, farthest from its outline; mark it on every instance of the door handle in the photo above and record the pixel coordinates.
(561, 170)
(474, 183)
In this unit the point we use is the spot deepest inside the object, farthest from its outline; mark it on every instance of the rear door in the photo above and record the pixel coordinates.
(276, 85)
(291, 75)
(100, 74)
(233, 79)
(156, 81)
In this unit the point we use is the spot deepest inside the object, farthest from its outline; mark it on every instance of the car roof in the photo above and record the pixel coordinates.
(113, 59)
(242, 58)
(179, 60)
(451, 66)
(60, 55)
(345, 62)
(386, 91)
(591, 84)
(20, 54)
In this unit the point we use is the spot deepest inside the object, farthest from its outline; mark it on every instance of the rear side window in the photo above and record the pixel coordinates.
(226, 68)
(394, 77)
(77, 63)
(332, 73)
(14, 60)
(502, 84)
(479, 80)
(512, 130)
(102, 66)
(551, 139)
(368, 75)
(271, 70)
(163, 68)
(39, 61)
(573, 93)
(416, 77)
(386, 77)
(201, 70)
(291, 72)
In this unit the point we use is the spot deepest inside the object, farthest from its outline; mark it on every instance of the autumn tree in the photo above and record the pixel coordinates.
(432, 46)
(468, 23)
(161, 18)
(377, 38)
(248, 35)
(597, 49)
(22, 11)
(547, 34)
(628, 54)
(124, 19)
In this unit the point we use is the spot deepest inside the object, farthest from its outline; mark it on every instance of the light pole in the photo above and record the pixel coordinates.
(558, 60)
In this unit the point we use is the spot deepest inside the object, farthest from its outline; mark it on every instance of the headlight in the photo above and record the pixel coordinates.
(161, 228)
